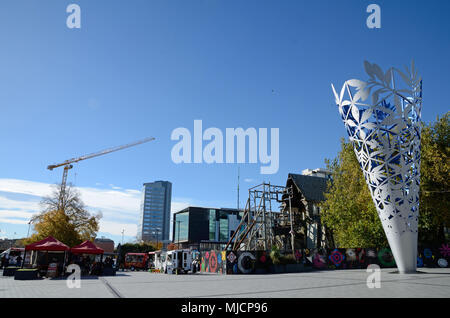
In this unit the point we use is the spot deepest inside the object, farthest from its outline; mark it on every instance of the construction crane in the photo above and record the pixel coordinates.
(68, 164)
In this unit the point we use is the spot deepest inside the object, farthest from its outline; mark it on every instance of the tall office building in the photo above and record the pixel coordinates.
(154, 223)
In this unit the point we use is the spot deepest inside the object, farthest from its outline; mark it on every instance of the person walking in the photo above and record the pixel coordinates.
(3, 261)
(19, 261)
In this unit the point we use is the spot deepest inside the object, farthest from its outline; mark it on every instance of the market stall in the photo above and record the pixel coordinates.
(87, 247)
(81, 257)
(48, 255)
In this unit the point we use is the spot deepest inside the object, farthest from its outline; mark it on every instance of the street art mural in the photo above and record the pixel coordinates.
(336, 257)
(245, 262)
(385, 132)
(259, 262)
(213, 262)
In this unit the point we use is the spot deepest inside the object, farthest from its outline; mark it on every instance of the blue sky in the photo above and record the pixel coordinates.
(143, 68)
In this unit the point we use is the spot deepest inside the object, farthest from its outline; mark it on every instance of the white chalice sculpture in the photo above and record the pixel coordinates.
(385, 132)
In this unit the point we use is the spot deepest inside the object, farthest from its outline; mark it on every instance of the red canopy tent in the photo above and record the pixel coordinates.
(87, 247)
(47, 244)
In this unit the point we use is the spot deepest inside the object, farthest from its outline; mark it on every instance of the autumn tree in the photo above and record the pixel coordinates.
(172, 246)
(435, 181)
(348, 210)
(69, 223)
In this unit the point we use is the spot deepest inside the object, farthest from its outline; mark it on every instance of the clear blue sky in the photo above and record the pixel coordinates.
(143, 68)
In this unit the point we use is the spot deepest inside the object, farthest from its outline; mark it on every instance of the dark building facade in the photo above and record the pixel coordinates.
(308, 192)
(198, 226)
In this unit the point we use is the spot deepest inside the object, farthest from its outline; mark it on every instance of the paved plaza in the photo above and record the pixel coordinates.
(341, 283)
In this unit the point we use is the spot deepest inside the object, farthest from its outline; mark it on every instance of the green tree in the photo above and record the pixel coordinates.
(349, 211)
(434, 181)
(71, 224)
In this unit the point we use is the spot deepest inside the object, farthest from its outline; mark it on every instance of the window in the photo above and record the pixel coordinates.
(181, 227)
(212, 225)
(223, 227)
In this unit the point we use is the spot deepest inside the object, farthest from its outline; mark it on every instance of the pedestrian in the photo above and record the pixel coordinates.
(12, 260)
(19, 261)
(3, 261)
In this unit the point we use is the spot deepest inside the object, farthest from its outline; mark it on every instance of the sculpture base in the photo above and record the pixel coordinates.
(404, 250)
(408, 273)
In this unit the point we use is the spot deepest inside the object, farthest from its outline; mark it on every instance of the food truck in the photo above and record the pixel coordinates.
(136, 261)
(12, 254)
(157, 260)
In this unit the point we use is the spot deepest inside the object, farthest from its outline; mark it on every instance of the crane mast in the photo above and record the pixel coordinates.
(68, 164)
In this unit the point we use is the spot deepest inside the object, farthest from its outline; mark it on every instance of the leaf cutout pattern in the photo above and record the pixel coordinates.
(386, 139)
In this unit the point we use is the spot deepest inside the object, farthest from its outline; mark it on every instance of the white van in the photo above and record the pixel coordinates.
(178, 261)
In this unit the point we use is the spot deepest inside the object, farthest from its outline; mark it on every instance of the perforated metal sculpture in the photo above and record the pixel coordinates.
(385, 133)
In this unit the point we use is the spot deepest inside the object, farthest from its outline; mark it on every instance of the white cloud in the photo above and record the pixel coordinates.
(119, 207)
(25, 187)
(6, 203)
(16, 214)
(12, 221)
(116, 228)
(177, 206)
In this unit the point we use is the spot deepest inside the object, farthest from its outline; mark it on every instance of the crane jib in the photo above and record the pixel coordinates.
(96, 154)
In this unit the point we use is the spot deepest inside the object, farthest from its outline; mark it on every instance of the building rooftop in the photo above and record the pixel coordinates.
(204, 207)
(312, 188)
(103, 239)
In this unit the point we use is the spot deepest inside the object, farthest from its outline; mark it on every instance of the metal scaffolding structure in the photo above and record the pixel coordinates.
(262, 214)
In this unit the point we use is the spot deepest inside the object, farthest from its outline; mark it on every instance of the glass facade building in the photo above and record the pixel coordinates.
(154, 221)
(195, 225)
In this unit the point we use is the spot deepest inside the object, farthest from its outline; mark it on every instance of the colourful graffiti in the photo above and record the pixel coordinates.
(336, 257)
(442, 262)
(319, 259)
(212, 262)
(249, 262)
(445, 250)
(386, 258)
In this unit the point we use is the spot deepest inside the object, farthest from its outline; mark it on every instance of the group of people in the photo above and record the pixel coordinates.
(91, 267)
(87, 265)
(12, 260)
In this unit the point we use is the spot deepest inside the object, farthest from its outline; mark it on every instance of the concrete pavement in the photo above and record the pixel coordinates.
(430, 282)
